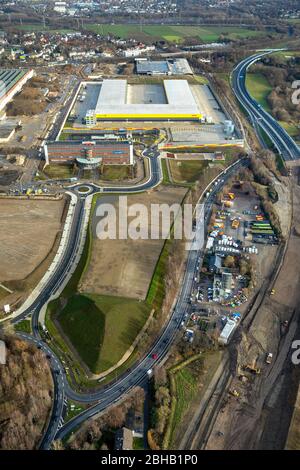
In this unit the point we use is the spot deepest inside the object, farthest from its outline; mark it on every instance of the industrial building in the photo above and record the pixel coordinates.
(227, 331)
(89, 154)
(7, 129)
(118, 100)
(163, 67)
(11, 82)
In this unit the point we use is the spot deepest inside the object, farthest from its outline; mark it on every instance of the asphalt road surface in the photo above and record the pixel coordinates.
(284, 143)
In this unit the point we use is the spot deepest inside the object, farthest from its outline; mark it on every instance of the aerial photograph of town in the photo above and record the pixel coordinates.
(150, 229)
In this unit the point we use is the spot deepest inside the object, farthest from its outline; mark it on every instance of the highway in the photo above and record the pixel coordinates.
(284, 143)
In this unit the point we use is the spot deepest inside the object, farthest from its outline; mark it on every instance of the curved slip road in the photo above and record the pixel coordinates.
(284, 143)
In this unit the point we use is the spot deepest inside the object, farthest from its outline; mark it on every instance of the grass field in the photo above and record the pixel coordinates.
(115, 172)
(59, 171)
(138, 443)
(186, 390)
(259, 87)
(24, 325)
(291, 128)
(188, 171)
(41, 28)
(190, 387)
(172, 33)
(102, 328)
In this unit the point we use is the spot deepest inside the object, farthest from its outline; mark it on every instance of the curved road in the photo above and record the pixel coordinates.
(284, 143)
(111, 393)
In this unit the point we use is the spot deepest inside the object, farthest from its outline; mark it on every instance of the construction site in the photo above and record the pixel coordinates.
(253, 393)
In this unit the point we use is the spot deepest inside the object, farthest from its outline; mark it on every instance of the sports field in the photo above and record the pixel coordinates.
(173, 33)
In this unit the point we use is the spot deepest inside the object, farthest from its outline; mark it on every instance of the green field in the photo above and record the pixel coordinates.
(41, 28)
(59, 171)
(115, 172)
(173, 33)
(101, 327)
(291, 128)
(186, 389)
(138, 443)
(24, 325)
(259, 87)
(186, 171)
(190, 388)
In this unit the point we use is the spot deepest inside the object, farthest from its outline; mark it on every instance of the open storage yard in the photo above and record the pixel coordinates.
(125, 267)
(256, 412)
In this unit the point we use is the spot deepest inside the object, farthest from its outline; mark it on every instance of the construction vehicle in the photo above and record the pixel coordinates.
(231, 196)
(234, 393)
(227, 203)
(252, 368)
(269, 358)
(235, 223)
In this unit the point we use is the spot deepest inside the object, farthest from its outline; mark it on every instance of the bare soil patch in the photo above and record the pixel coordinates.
(125, 267)
(28, 231)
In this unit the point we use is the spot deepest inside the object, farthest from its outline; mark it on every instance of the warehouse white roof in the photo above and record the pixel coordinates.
(179, 93)
(227, 331)
(112, 92)
(113, 100)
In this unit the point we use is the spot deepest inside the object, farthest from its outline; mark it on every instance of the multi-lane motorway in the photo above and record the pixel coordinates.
(284, 143)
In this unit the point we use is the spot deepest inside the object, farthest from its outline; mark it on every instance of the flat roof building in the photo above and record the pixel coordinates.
(89, 154)
(227, 331)
(11, 82)
(163, 67)
(171, 100)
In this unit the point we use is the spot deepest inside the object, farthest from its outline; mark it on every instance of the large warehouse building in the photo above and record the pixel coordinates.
(170, 100)
(11, 82)
(163, 67)
(89, 154)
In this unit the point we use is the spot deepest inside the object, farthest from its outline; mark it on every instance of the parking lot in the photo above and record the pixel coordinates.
(80, 108)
